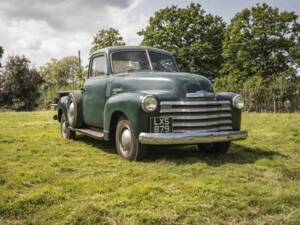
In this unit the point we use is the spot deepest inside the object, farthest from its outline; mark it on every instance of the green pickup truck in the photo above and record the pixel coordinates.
(136, 96)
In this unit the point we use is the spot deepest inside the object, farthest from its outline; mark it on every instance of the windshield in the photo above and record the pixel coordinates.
(162, 62)
(129, 61)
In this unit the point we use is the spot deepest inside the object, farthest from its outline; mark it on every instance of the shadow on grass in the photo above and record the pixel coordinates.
(105, 146)
(238, 154)
(188, 154)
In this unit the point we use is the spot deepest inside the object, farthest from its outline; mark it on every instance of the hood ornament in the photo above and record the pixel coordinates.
(201, 94)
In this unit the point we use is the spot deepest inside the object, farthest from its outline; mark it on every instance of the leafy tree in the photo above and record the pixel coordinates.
(105, 38)
(190, 34)
(59, 75)
(295, 52)
(1, 53)
(261, 41)
(61, 72)
(260, 52)
(20, 84)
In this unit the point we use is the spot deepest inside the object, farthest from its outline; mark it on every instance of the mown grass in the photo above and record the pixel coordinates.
(47, 180)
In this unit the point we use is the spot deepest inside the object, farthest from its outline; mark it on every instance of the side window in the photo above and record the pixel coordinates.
(98, 66)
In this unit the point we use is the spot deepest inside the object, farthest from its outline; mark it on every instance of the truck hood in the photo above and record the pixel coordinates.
(161, 84)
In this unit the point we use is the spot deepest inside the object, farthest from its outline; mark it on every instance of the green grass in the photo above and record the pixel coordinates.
(47, 180)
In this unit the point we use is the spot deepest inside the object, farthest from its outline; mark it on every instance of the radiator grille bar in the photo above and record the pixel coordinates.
(206, 115)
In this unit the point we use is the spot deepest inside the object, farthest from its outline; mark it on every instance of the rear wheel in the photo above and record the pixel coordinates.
(65, 130)
(215, 148)
(75, 109)
(128, 146)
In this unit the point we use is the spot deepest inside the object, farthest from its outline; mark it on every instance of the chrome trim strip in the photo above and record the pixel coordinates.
(205, 130)
(195, 103)
(200, 117)
(200, 94)
(195, 137)
(196, 110)
(201, 124)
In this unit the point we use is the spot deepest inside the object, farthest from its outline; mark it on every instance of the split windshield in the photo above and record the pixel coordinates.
(130, 61)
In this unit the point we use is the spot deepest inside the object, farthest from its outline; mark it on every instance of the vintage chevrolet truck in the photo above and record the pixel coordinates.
(135, 96)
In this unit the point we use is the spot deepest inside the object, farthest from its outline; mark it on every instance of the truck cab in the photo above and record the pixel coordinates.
(136, 96)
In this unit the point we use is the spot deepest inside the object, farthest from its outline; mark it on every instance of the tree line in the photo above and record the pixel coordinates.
(256, 54)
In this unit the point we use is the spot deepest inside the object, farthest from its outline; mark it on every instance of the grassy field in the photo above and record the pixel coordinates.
(47, 180)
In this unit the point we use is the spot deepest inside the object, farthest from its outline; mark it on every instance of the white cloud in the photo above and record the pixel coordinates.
(128, 21)
(42, 37)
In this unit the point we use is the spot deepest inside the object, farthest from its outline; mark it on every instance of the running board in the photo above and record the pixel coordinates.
(94, 133)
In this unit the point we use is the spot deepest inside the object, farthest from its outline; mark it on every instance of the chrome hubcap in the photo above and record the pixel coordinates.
(71, 112)
(126, 140)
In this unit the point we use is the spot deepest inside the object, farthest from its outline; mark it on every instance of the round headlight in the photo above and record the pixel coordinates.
(149, 103)
(238, 102)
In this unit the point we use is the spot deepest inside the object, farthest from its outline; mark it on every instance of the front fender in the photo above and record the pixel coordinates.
(62, 107)
(236, 113)
(130, 105)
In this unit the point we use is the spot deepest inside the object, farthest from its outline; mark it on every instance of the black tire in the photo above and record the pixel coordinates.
(130, 148)
(75, 109)
(65, 130)
(215, 148)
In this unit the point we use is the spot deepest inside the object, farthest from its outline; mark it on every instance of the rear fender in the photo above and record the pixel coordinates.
(62, 107)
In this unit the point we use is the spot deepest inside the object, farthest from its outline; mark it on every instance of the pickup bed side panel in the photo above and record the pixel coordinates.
(130, 105)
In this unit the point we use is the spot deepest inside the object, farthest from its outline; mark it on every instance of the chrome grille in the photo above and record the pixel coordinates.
(204, 115)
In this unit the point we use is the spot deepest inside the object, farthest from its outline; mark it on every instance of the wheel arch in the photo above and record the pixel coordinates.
(113, 123)
(127, 104)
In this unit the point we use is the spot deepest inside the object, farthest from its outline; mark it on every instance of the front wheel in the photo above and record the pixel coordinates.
(65, 130)
(215, 148)
(128, 146)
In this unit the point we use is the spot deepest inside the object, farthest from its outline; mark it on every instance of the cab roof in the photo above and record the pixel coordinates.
(108, 50)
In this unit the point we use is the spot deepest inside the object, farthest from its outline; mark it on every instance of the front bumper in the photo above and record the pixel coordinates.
(191, 137)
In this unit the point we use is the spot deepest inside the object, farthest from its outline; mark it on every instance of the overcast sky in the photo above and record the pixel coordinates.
(45, 29)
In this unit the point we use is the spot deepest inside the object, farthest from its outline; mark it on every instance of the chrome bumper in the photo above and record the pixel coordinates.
(191, 137)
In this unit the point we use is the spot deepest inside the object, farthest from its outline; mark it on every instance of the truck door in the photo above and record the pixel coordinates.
(94, 91)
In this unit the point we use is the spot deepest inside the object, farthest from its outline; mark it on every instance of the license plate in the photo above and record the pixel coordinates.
(161, 124)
